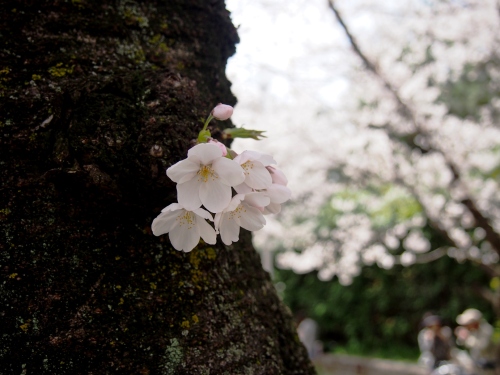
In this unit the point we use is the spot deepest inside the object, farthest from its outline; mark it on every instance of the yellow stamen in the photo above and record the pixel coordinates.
(247, 167)
(237, 212)
(186, 219)
(207, 172)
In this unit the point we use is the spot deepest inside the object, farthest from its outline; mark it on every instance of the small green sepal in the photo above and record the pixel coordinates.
(203, 136)
(243, 133)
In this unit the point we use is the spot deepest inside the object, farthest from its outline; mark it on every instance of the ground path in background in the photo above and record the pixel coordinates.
(337, 364)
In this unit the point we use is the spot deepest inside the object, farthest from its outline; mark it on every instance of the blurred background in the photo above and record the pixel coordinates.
(384, 115)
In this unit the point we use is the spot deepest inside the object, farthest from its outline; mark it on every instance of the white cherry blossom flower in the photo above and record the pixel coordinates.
(277, 194)
(241, 212)
(205, 177)
(184, 227)
(254, 164)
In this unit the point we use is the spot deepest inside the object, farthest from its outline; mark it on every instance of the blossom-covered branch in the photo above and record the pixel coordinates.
(480, 219)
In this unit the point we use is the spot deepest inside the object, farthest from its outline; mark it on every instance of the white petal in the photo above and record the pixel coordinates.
(217, 219)
(183, 171)
(278, 176)
(243, 189)
(278, 193)
(257, 176)
(215, 195)
(206, 231)
(229, 171)
(172, 207)
(242, 158)
(252, 219)
(203, 213)
(188, 194)
(235, 202)
(164, 222)
(273, 208)
(257, 199)
(229, 229)
(184, 237)
(206, 152)
(254, 155)
(266, 159)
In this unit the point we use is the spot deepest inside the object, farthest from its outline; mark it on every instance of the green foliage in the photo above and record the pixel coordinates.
(379, 313)
(474, 89)
(385, 206)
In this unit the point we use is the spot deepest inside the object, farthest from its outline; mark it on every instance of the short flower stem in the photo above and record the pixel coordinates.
(204, 134)
(207, 121)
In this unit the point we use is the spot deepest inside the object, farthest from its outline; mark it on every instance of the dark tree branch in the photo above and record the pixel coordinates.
(432, 223)
(431, 256)
(491, 236)
(371, 66)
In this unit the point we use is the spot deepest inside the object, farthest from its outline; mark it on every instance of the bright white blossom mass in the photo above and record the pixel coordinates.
(207, 178)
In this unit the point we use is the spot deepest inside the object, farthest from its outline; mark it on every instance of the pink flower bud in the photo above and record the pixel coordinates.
(220, 145)
(222, 111)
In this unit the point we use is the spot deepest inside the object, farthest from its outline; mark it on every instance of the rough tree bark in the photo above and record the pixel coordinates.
(98, 98)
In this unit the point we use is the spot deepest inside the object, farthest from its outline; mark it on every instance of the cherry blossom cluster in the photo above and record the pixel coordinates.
(238, 189)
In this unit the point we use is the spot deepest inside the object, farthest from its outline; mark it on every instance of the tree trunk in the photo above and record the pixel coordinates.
(98, 99)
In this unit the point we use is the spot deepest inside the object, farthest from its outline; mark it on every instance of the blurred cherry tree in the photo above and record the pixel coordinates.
(392, 136)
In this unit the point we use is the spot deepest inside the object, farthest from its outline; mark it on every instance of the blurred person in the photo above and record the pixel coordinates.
(475, 334)
(307, 329)
(435, 342)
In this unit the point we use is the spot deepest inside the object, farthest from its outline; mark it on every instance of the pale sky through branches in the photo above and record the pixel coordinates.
(282, 75)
